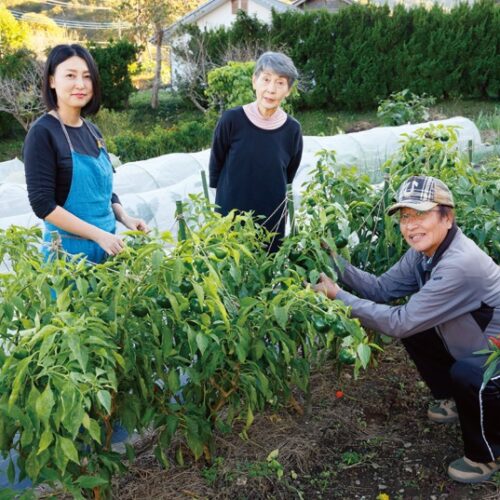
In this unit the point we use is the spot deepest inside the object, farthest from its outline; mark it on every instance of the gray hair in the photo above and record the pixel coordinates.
(278, 63)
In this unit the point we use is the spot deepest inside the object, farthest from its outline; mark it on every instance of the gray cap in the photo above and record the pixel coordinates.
(422, 193)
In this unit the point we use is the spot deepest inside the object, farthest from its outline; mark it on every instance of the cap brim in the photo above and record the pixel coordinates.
(422, 206)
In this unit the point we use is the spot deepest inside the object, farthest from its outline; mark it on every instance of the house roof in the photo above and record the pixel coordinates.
(211, 5)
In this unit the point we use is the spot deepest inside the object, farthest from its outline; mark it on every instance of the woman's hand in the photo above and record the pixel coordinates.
(326, 286)
(110, 243)
(134, 224)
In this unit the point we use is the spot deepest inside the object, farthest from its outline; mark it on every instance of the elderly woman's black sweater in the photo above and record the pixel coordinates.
(250, 167)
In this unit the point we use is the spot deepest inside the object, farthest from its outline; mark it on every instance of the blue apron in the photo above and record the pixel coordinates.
(89, 199)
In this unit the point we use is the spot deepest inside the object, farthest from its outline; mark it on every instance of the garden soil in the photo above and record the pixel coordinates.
(364, 439)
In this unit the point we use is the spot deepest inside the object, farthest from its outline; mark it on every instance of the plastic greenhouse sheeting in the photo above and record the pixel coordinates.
(150, 188)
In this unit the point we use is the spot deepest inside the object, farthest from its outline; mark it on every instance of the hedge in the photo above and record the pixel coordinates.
(355, 57)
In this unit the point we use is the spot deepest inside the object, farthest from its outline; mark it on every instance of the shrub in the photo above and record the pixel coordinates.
(404, 107)
(184, 137)
(112, 123)
(230, 85)
(113, 62)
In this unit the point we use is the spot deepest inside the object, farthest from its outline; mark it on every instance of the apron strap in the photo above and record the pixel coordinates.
(99, 140)
(65, 132)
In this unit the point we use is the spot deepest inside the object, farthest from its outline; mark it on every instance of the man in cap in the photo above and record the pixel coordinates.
(454, 306)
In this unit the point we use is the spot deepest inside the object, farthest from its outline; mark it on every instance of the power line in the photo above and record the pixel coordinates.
(73, 5)
(68, 23)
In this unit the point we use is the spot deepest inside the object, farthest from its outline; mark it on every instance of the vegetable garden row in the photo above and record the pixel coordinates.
(196, 336)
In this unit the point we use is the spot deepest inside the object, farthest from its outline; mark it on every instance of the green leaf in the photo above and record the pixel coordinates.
(18, 384)
(33, 465)
(104, 397)
(44, 405)
(95, 430)
(47, 343)
(75, 347)
(69, 449)
(202, 342)
(172, 424)
(175, 306)
(250, 418)
(194, 443)
(200, 293)
(89, 482)
(157, 259)
(64, 299)
(161, 457)
(45, 440)
(364, 353)
(281, 315)
(119, 359)
(173, 380)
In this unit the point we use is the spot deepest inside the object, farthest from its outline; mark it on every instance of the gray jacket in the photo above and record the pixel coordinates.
(457, 292)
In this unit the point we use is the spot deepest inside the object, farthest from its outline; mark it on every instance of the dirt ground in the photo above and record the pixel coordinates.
(374, 441)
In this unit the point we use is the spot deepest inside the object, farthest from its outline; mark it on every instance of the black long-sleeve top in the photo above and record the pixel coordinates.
(48, 165)
(250, 166)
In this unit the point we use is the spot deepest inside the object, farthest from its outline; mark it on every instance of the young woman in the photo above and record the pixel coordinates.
(257, 148)
(68, 171)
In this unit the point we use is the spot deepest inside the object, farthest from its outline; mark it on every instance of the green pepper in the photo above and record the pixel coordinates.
(346, 357)
(20, 353)
(320, 324)
(220, 253)
(139, 310)
(340, 329)
(185, 286)
(340, 242)
(163, 302)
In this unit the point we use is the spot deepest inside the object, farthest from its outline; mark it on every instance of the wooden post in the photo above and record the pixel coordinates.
(291, 210)
(55, 243)
(179, 215)
(205, 185)
(469, 150)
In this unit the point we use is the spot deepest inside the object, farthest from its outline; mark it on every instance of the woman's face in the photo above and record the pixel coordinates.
(270, 89)
(72, 84)
(424, 231)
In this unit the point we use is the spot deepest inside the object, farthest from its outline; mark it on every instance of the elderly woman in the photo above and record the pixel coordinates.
(257, 148)
(453, 308)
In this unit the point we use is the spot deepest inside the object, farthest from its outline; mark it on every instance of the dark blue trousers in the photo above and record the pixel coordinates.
(478, 407)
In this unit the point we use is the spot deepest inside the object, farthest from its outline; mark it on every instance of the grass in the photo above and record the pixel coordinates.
(485, 114)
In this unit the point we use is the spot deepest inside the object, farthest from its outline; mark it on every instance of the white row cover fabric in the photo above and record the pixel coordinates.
(150, 188)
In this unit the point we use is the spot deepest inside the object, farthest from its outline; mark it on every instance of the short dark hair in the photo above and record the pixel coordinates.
(445, 211)
(58, 55)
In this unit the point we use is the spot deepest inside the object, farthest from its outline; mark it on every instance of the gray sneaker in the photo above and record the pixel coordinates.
(443, 411)
(464, 470)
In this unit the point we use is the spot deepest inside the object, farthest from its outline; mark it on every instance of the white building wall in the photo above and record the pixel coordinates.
(263, 14)
(221, 16)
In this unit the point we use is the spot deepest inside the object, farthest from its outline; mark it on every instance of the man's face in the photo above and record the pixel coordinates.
(424, 231)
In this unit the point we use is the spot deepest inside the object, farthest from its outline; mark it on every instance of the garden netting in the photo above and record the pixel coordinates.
(150, 188)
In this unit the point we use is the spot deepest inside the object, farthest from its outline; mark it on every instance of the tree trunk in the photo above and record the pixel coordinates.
(157, 79)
